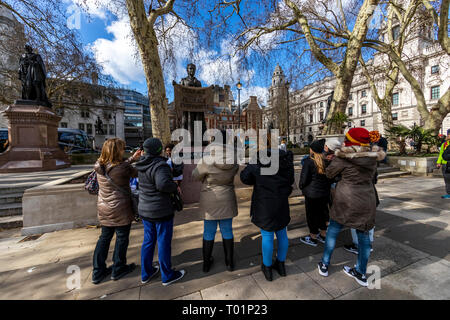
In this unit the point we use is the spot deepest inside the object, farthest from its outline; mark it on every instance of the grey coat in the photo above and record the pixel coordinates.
(354, 202)
(217, 196)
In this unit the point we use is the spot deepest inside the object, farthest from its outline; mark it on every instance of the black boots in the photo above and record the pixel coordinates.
(228, 245)
(267, 271)
(279, 267)
(207, 254)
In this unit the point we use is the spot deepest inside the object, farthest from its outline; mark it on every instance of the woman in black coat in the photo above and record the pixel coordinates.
(315, 187)
(270, 206)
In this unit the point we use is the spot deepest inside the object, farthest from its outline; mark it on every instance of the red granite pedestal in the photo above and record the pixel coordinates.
(33, 139)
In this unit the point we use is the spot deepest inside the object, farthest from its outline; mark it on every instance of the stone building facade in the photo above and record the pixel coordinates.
(225, 114)
(137, 120)
(11, 38)
(307, 106)
(83, 111)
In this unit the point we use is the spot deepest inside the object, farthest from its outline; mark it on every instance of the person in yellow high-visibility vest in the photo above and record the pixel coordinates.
(441, 163)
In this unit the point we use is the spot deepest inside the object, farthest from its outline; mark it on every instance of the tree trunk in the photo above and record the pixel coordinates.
(148, 48)
(435, 117)
(339, 103)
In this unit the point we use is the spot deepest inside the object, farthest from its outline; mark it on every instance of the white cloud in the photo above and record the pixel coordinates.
(260, 92)
(96, 8)
(117, 56)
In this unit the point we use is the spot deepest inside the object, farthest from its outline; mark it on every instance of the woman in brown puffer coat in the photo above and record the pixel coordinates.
(218, 200)
(114, 209)
(354, 202)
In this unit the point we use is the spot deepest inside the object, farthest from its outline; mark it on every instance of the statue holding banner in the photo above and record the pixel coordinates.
(192, 101)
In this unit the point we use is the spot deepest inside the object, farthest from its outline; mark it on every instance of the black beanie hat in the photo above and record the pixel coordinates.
(153, 146)
(318, 146)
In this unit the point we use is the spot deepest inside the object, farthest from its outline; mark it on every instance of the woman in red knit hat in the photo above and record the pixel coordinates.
(354, 203)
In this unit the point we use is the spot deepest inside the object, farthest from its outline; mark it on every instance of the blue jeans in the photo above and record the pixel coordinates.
(160, 232)
(355, 236)
(210, 227)
(267, 246)
(363, 246)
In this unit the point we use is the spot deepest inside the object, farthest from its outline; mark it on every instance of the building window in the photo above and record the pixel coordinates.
(321, 115)
(363, 93)
(435, 92)
(221, 98)
(111, 129)
(89, 128)
(63, 124)
(395, 32)
(310, 118)
(364, 109)
(395, 116)
(395, 99)
(321, 104)
(435, 69)
(81, 126)
(310, 129)
(350, 97)
(363, 123)
(60, 111)
(350, 111)
(85, 113)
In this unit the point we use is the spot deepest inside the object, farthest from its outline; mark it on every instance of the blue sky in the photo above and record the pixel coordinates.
(108, 36)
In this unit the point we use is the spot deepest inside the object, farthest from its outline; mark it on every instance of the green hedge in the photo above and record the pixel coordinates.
(297, 151)
(88, 158)
(83, 158)
(413, 155)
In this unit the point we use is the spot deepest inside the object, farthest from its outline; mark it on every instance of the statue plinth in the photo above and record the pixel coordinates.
(33, 140)
(191, 104)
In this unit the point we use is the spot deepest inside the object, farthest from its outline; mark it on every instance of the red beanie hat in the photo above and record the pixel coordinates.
(357, 137)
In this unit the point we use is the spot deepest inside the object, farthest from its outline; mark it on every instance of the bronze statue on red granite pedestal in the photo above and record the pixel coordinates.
(33, 74)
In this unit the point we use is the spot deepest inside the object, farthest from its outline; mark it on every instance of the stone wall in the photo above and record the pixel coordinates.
(50, 208)
(415, 165)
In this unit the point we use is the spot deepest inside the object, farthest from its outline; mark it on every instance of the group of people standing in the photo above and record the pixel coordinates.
(342, 179)
(351, 168)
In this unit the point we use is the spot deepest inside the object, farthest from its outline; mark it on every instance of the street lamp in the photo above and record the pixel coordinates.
(239, 88)
(115, 122)
(287, 109)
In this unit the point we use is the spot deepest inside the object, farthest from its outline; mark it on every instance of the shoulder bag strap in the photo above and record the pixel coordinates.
(112, 182)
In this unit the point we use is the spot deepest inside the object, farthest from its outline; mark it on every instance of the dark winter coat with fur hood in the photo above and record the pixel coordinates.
(354, 203)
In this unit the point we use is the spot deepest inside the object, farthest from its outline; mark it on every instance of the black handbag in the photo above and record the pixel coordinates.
(134, 196)
(177, 201)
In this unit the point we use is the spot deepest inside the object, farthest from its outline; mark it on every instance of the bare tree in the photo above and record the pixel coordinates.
(383, 77)
(43, 25)
(324, 27)
(433, 118)
(151, 30)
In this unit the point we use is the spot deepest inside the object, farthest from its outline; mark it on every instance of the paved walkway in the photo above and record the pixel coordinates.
(411, 248)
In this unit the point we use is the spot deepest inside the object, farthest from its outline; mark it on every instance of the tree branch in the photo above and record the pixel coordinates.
(327, 62)
(168, 7)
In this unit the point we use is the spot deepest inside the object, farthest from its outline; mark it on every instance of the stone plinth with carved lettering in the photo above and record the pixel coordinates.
(33, 140)
(191, 103)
